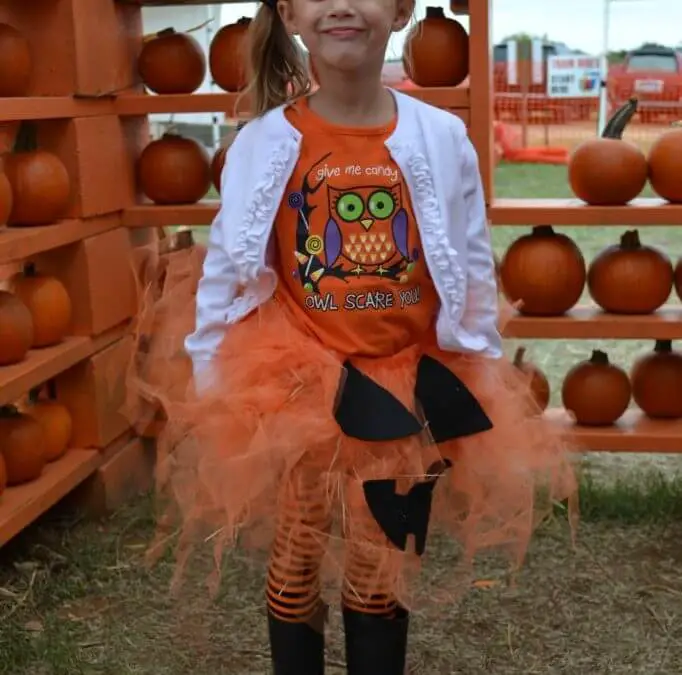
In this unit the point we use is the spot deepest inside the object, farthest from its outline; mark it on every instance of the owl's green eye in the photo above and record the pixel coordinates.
(350, 207)
(381, 204)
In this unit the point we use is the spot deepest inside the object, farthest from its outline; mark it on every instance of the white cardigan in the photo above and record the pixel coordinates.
(440, 167)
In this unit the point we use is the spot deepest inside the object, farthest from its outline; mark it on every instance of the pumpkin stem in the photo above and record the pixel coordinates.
(183, 239)
(663, 346)
(615, 127)
(630, 240)
(599, 358)
(243, 21)
(9, 411)
(166, 32)
(34, 395)
(27, 137)
(30, 269)
(435, 13)
(518, 357)
(543, 231)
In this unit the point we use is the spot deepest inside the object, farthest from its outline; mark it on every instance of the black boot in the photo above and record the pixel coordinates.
(296, 648)
(375, 645)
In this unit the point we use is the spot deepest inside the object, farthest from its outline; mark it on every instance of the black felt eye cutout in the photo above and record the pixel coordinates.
(368, 412)
(451, 410)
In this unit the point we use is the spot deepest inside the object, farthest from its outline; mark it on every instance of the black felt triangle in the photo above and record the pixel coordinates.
(368, 412)
(450, 409)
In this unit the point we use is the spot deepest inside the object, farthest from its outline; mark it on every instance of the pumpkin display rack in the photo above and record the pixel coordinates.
(84, 192)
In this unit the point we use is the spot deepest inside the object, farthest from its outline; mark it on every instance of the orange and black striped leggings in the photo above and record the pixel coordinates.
(300, 543)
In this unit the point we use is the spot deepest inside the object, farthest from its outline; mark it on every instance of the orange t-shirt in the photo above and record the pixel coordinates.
(350, 259)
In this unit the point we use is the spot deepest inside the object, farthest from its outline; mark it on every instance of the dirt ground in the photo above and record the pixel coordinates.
(77, 600)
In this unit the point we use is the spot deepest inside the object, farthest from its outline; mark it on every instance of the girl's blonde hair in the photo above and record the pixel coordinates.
(278, 69)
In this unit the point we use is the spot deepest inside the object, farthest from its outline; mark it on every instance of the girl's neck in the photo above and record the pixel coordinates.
(352, 100)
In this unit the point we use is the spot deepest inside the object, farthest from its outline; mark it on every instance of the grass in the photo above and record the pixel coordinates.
(75, 597)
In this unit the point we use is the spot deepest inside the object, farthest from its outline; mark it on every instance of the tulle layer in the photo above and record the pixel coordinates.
(259, 461)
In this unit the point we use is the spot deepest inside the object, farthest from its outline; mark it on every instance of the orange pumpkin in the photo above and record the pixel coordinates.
(55, 420)
(172, 63)
(217, 164)
(609, 171)
(5, 197)
(436, 51)
(22, 444)
(630, 278)
(49, 303)
(40, 183)
(596, 391)
(543, 270)
(657, 382)
(665, 166)
(174, 170)
(16, 329)
(539, 384)
(16, 63)
(227, 55)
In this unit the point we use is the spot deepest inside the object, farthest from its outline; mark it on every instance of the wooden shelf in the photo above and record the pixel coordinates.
(632, 433)
(591, 323)
(133, 103)
(639, 213)
(18, 243)
(41, 365)
(21, 505)
(152, 215)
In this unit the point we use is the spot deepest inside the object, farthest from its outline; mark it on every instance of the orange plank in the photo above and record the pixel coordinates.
(41, 365)
(640, 212)
(145, 104)
(18, 243)
(592, 323)
(632, 433)
(151, 215)
(21, 505)
(53, 107)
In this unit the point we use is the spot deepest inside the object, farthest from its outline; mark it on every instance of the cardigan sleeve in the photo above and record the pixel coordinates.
(480, 318)
(216, 291)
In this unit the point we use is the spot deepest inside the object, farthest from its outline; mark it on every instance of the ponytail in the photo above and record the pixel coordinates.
(278, 69)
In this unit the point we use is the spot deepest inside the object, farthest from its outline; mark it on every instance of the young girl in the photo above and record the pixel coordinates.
(346, 355)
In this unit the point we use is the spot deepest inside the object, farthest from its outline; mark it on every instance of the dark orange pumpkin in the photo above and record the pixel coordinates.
(596, 391)
(665, 166)
(55, 419)
(543, 270)
(657, 382)
(174, 170)
(228, 54)
(16, 329)
(436, 51)
(678, 278)
(16, 64)
(5, 197)
(217, 164)
(172, 63)
(49, 303)
(41, 187)
(22, 444)
(630, 278)
(538, 382)
(459, 7)
(609, 171)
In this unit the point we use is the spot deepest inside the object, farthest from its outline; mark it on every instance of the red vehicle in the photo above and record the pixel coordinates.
(654, 75)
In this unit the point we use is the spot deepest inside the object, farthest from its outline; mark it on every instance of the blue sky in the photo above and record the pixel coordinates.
(579, 23)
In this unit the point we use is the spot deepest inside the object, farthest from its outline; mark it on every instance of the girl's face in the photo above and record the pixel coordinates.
(345, 34)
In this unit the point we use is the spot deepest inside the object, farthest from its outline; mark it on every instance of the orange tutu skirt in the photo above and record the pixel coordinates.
(260, 459)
